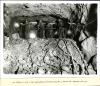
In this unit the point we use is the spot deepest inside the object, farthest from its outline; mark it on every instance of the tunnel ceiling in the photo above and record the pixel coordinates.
(38, 9)
(62, 10)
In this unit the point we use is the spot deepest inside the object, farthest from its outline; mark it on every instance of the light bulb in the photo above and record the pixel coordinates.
(32, 35)
(69, 32)
(16, 24)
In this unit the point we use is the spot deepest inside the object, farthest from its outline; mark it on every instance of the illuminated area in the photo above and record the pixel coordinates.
(69, 32)
(16, 25)
(32, 35)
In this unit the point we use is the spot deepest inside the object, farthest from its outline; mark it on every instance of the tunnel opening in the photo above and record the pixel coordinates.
(44, 26)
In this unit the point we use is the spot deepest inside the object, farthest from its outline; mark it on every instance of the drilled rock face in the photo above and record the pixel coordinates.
(40, 56)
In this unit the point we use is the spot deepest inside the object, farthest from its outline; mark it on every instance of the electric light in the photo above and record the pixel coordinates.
(16, 25)
(32, 35)
(69, 32)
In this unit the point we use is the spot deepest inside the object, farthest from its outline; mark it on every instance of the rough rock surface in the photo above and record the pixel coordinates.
(43, 56)
(89, 47)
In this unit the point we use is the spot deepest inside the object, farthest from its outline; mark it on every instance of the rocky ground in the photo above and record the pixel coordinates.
(44, 56)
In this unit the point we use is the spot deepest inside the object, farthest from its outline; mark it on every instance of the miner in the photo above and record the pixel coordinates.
(40, 28)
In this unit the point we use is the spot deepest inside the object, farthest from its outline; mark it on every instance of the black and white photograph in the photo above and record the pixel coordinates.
(50, 38)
